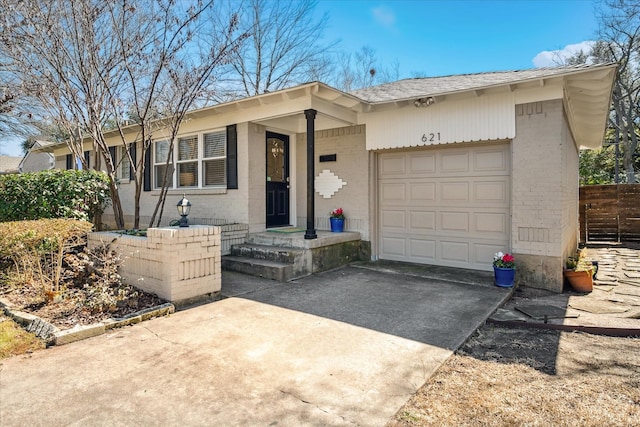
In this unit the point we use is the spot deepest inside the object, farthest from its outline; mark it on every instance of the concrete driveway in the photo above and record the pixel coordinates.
(346, 347)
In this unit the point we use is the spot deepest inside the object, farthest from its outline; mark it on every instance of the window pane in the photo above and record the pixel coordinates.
(215, 144)
(188, 148)
(215, 172)
(162, 151)
(125, 165)
(188, 174)
(158, 175)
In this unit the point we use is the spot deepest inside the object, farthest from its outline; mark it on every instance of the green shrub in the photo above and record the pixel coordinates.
(53, 194)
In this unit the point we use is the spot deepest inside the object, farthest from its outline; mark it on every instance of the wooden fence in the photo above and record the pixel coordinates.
(610, 213)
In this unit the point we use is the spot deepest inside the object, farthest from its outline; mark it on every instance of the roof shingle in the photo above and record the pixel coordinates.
(432, 86)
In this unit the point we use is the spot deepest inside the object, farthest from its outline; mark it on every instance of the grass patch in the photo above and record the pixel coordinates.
(15, 341)
(513, 377)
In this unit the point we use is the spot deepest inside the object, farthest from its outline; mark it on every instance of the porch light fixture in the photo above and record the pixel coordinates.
(424, 102)
(184, 207)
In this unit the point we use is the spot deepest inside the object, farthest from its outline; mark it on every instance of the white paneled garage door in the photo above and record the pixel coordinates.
(444, 206)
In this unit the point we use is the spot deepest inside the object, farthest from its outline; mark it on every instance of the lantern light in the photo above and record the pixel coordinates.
(184, 207)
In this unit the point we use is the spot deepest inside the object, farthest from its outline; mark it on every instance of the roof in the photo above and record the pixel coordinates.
(434, 86)
(9, 164)
(586, 90)
(42, 143)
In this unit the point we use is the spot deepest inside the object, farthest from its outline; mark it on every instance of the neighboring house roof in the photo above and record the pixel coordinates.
(42, 144)
(9, 164)
(36, 160)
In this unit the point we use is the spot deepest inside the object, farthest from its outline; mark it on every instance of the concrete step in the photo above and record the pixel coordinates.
(259, 267)
(276, 239)
(268, 253)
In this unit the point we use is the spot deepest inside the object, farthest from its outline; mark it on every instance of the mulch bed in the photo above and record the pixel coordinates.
(72, 308)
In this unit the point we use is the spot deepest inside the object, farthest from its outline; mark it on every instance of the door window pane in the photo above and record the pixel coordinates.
(275, 160)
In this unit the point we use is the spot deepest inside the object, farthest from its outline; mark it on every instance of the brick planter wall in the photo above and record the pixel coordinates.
(181, 265)
(232, 234)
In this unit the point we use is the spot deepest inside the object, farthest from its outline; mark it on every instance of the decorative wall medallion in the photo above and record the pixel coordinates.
(327, 184)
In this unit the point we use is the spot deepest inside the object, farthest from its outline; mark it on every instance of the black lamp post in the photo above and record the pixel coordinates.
(184, 207)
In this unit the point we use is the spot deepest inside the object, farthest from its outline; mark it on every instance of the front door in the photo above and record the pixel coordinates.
(277, 180)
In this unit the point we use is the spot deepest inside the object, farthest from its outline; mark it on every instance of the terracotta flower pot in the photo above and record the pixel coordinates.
(580, 281)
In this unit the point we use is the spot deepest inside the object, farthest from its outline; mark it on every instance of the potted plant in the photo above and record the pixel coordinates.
(579, 273)
(504, 269)
(337, 220)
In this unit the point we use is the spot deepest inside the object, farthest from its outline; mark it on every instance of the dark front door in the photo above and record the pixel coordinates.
(277, 180)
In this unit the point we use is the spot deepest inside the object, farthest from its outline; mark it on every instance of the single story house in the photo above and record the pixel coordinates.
(443, 170)
(35, 161)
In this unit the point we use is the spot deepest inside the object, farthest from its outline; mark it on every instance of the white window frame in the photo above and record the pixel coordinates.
(199, 160)
(222, 157)
(123, 159)
(161, 162)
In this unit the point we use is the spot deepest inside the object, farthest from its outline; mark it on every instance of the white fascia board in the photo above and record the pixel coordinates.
(538, 94)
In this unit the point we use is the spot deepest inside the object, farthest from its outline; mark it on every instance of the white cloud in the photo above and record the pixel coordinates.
(384, 16)
(552, 58)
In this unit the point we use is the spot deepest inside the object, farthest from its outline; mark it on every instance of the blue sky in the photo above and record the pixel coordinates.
(436, 38)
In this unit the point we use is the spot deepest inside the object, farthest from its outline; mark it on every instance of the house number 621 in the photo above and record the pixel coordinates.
(430, 137)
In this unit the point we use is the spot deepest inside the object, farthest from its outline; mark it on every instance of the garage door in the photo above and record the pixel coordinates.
(444, 206)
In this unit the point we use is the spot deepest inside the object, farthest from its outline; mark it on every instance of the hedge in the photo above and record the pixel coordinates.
(53, 194)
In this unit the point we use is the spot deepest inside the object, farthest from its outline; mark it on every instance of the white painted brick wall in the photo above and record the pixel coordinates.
(174, 263)
(351, 165)
(537, 171)
(544, 193)
(571, 193)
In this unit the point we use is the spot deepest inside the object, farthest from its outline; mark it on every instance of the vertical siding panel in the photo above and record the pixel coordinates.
(484, 118)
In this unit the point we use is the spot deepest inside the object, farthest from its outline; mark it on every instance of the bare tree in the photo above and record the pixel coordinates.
(283, 47)
(620, 42)
(361, 69)
(90, 62)
(19, 113)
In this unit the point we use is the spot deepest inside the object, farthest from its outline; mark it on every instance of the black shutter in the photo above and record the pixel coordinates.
(87, 159)
(132, 151)
(147, 170)
(232, 157)
(69, 161)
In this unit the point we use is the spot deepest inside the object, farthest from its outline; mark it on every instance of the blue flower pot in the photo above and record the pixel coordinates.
(337, 225)
(504, 276)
